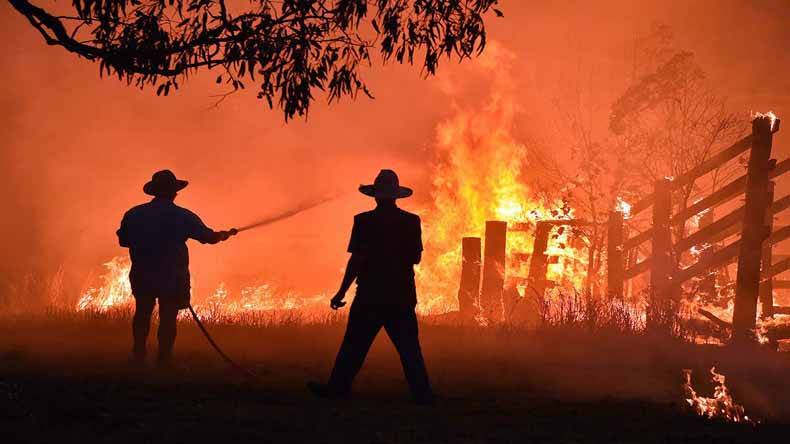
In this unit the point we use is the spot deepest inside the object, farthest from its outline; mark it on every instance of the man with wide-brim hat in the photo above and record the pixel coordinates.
(385, 245)
(156, 233)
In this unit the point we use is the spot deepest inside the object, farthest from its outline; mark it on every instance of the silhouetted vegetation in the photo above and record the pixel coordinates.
(288, 49)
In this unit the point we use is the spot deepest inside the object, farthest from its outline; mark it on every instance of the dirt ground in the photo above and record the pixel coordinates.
(68, 380)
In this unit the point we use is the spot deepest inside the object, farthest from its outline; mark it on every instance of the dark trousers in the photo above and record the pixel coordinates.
(364, 323)
(141, 325)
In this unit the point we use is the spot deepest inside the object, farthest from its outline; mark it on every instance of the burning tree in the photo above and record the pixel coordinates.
(668, 122)
(290, 48)
(671, 121)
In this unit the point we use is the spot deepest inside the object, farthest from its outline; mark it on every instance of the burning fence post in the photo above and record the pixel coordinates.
(614, 255)
(538, 265)
(754, 230)
(661, 263)
(493, 270)
(469, 290)
(767, 286)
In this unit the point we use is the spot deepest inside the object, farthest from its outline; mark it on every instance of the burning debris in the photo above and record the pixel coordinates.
(720, 406)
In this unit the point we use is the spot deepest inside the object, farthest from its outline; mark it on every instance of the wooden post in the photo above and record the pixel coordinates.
(493, 270)
(767, 286)
(469, 290)
(629, 259)
(614, 255)
(661, 268)
(707, 284)
(754, 231)
(539, 263)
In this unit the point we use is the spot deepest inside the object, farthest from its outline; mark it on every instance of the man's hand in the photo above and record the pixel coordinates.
(337, 301)
(225, 235)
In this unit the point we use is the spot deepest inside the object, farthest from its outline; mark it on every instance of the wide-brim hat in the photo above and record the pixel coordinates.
(386, 186)
(164, 182)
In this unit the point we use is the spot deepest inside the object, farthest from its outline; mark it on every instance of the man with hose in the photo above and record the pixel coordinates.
(156, 233)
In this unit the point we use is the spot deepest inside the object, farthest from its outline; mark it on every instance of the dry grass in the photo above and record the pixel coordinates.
(569, 358)
(588, 373)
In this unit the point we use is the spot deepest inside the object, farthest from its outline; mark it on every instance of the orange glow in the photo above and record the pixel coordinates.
(480, 172)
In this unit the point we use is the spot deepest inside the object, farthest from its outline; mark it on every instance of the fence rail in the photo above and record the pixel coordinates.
(482, 276)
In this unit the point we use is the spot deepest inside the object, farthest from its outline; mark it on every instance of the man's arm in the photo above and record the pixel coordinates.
(123, 235)
(205, 235)
(417, 250)
(356, 246)
(352, 271)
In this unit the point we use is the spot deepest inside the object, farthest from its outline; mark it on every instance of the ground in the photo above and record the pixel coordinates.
(68, 380)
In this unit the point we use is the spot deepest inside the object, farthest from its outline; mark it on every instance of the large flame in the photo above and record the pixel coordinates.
(481, 173)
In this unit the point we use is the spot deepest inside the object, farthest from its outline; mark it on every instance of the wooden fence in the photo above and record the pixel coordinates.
(753, 220)
(483, 275)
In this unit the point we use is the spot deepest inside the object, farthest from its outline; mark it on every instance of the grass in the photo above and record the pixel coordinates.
(65, 377)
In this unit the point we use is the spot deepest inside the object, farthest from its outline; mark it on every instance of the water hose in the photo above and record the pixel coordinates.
(260, 223)
(245, 371)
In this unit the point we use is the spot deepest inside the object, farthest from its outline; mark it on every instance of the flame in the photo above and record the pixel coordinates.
(114, 292)
(765, 325)
(770, 115)
(624, 207)
(720, 406)
(481, 172)
(258, 299)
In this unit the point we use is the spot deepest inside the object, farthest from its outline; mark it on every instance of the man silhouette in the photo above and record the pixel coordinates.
(156, 233)
(385, 245)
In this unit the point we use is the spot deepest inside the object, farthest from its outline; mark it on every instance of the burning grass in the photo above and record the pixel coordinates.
(720, 406)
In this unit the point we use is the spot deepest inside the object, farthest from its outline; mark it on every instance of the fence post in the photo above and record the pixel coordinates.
(661, 256)
(494, 270)
(767, 287)
(708, 282)
(469, 289)
(754, 231)
(614, 255)
(538, 265)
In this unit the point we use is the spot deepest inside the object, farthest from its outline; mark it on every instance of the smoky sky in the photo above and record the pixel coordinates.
(76, 149)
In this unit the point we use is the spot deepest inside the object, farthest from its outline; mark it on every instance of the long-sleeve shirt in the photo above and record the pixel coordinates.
(389, 242)
(156, 233)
